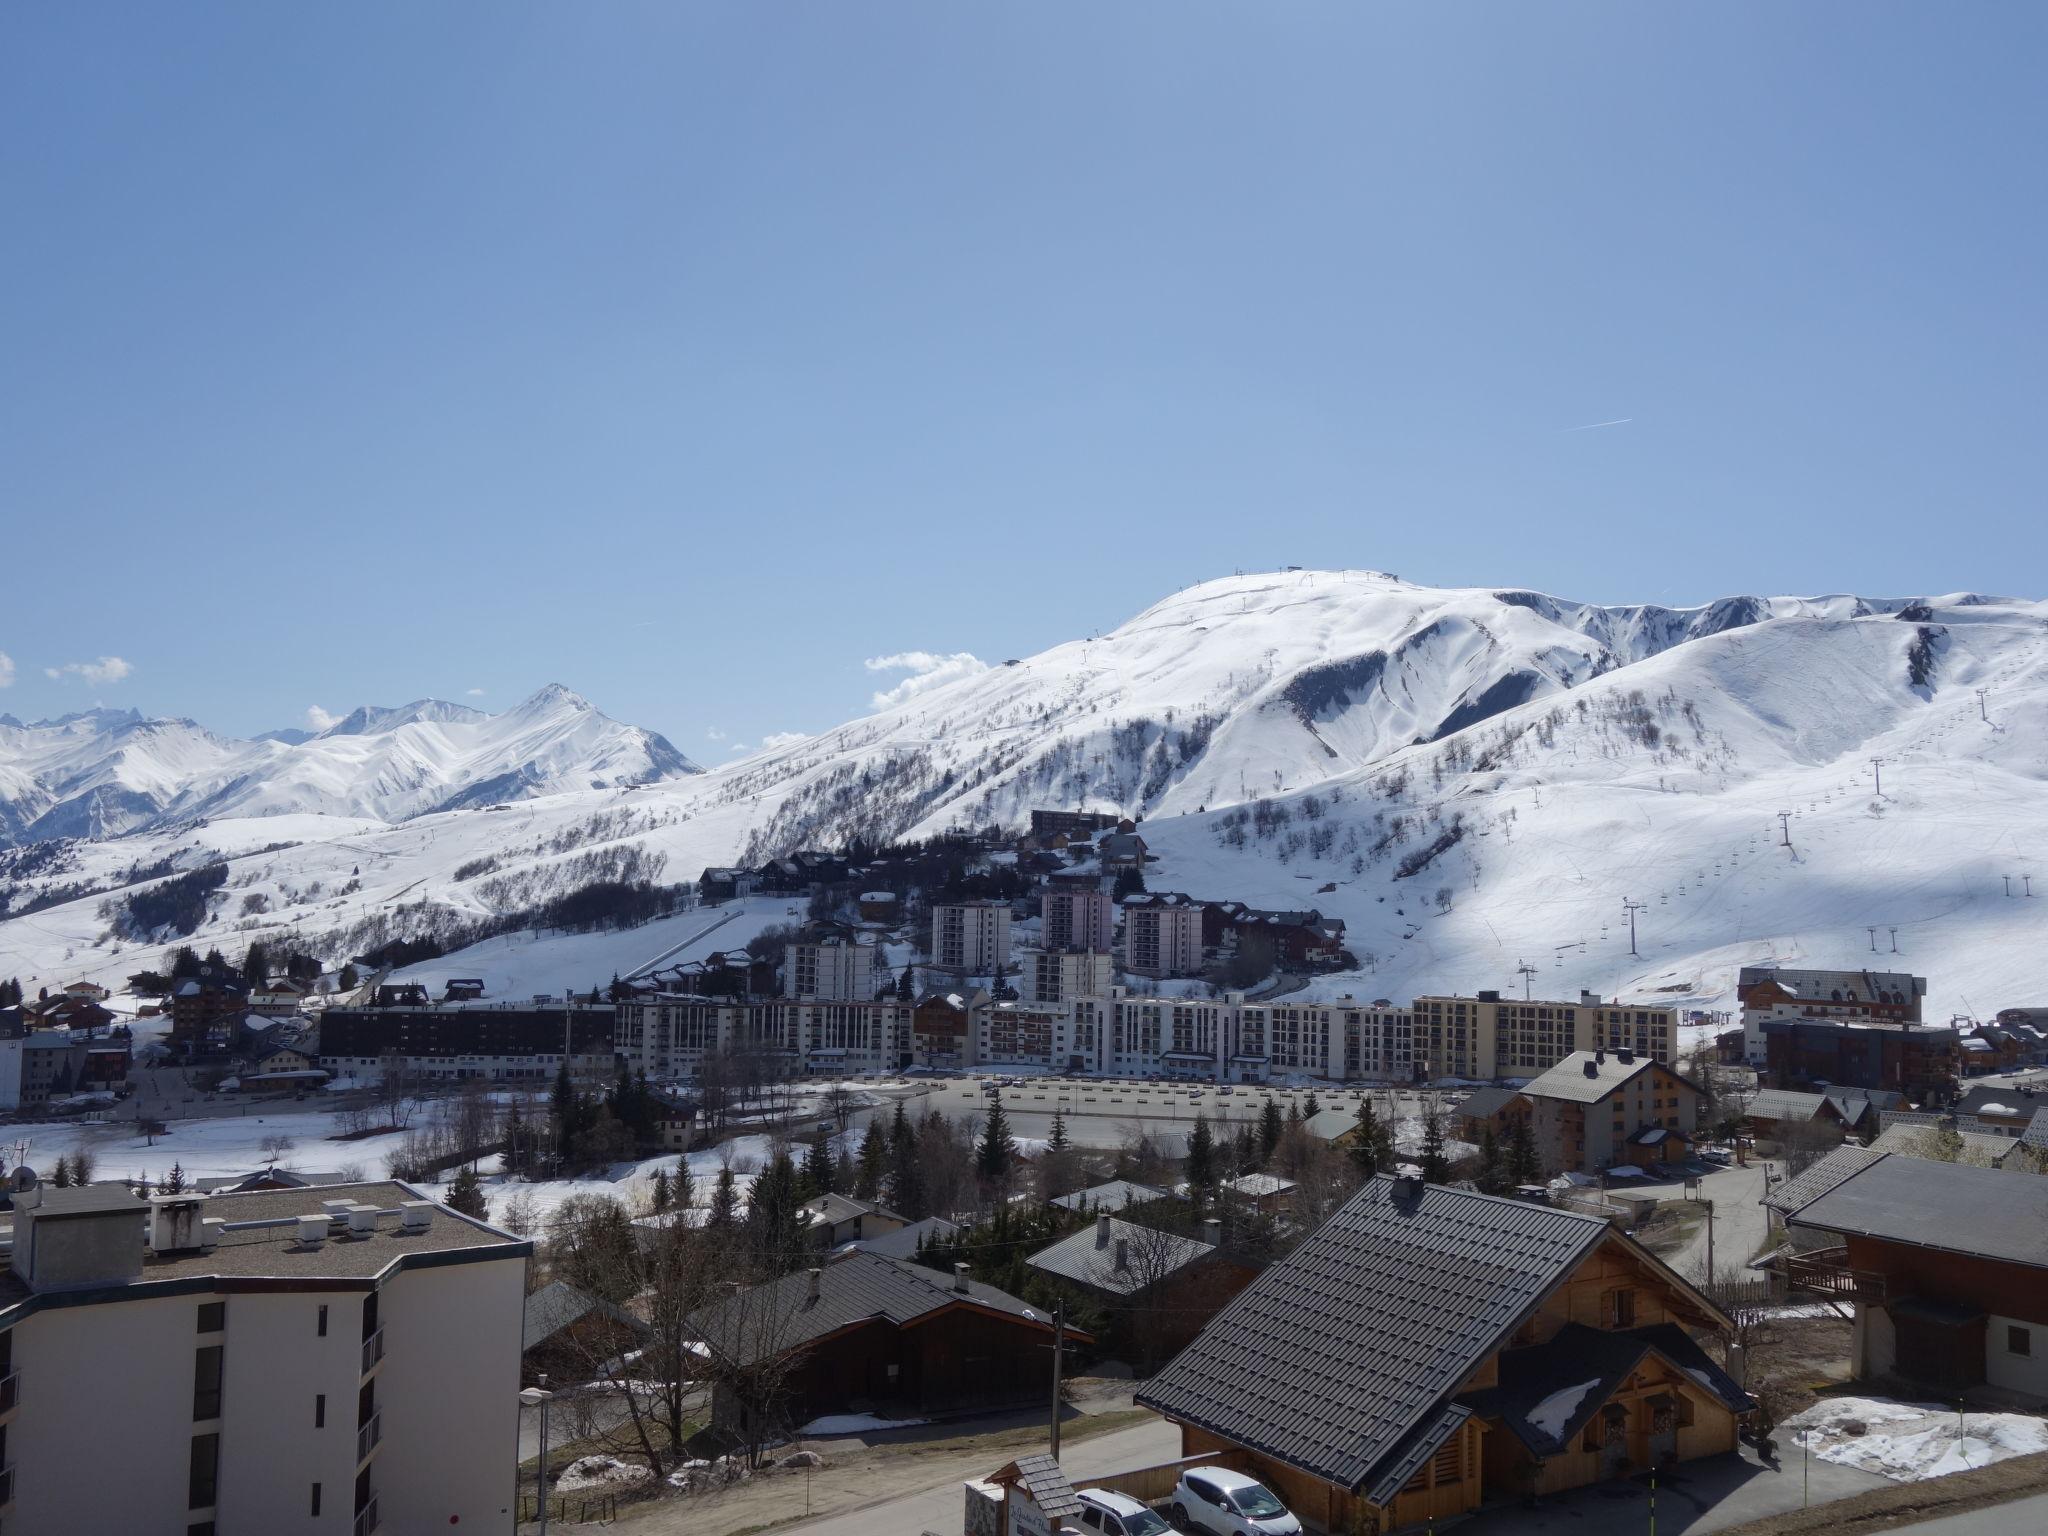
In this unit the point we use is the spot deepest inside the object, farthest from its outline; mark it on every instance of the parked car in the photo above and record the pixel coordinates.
(1226, 1503)
(1118, 1514)
(1716, 1155)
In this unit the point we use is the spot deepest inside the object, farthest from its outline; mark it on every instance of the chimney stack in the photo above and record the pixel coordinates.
(1592, 1070)
(1102, 1228)
(1123, 1254)
(816, 1275)
(1212, 1231)
(960, 1278)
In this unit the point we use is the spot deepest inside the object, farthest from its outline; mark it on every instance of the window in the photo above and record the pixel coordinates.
(319, 1410)
(1621, 1309)
(202, 1487)
(316, 1500)
(206, 1371)
(323, 1320)
(213, 1316)
(2019, 1341)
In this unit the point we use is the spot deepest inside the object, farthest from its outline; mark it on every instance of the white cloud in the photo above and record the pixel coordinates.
(108, 669)
(738, 746)
(713, 733)
(476, 693)
(776, 739)
(6, 670)
(318, 719)
(927, 670)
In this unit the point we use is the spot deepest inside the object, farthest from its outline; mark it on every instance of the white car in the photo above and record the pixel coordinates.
(1225, 1503)
(1118, 1514)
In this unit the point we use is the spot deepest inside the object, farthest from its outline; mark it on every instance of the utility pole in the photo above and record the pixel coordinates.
(1895, 940)
(2008, 884)
(1982, 713)
(1632, 908)
(1784, 829)
(1525, 970)
(1877, 775)
(1059, 1347)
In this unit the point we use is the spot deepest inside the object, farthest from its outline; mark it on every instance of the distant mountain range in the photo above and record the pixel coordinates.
(110, 773)
(1473, 779)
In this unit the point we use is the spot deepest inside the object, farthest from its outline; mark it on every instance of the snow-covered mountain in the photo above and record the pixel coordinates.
(1473, 779)
(108, 773)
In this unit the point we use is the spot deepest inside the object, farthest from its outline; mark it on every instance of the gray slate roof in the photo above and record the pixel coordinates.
(1823, 1175)
(1782, 1104)
(904, 1242)
(1569, 1080)
(1342, 1359)
(1949, 1207)
(1046, 1482)
(830, 1210)
(558, 1304)
(1329, 1124)
(1483, 1103)
(1113, 1196)
(1088, 1257)
(2005, 1100)
(1918, 1140)
(855, 1287)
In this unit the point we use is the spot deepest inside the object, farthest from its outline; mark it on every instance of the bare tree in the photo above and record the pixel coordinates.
(840, 1103)
(277, 1148)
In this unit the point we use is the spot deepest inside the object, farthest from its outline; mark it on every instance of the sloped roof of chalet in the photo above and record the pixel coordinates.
(1999, 1098)
(1599, 1359)
(1341, 1359)
(1949, 1207)
(1571, 1081)
(1821, 1176)
(1783, 1104)
(904, 1242)
(1329, 1124)
(856, 1287)
(1916, 1141)
(558, 1304)
(833, 1209)
(1113, 1196)
(1485, 1103)
(1088, 1257)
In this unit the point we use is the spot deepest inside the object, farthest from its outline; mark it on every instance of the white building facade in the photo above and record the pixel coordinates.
(971, 938)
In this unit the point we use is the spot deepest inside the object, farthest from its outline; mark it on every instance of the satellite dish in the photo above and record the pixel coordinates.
(23, 1179)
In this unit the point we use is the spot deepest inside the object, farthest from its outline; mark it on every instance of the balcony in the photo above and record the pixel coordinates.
(366, 1520)
(373, 1351)
(1827, 1271)
(368, 1436)
(10, 1391)
(6, 1486)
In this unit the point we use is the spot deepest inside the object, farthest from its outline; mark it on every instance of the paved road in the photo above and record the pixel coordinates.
(939, 1509)
(2022, 1517)
(1741, 1224)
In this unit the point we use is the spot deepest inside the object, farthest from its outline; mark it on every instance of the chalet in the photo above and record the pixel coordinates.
(403, 994)
(1597, 1110)
(63, 1010)
(1113, 1196)
(285, 1057)
(1178, 1283)
(1773, 1114)
(2006, 1108)
(1431, 1348)
(945, 1028)
(1297, 939)
(719, 883)
(879, 906)
(1498, 1110)
(1120, 850)
(1266, 1193)
(1046, 825)
(832, 1221)
(675, 1118)
(1332, 1127)
(91, 991)
(569, 1333)
(279, 997)
(905, 1242)
(203, 1010)
(1772, 992)
(1947, 1140)
(1948, 1268)
(462, 989)
(864, 1334)
(1919, 1060)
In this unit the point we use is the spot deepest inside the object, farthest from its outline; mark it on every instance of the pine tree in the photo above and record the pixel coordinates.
(996, 1153)
(1524, 1165)
(1493, 1173)
(173, 1183)
(725, 1202)
(1436, 1168)
(466, 1195)
(1310, 1107)
(1372, 1149)
(1271, 1124)
(775, 1220)
(256, 964)
(874, 1162)
(906, 1174)
(1201, 1164)
(1294, 1114)
(906, 988)
(516, 1152)
(660, 1197)
(819, 1176)
(1058, 1141)
(682, 1189)
(60, 1176)
(844, 1173)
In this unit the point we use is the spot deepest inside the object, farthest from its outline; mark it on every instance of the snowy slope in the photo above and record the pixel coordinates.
(1281, 733)
(107, 772)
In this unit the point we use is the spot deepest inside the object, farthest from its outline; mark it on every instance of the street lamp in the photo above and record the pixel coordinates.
(539, 1397)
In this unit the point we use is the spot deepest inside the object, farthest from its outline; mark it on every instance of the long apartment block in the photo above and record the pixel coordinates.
(201, 1366)
(1488, 1036)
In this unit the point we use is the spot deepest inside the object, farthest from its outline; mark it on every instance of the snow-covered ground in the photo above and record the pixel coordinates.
(1909, 1441)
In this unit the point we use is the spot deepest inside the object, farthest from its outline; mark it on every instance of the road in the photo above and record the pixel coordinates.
(939, 1508)
(1741, 1224)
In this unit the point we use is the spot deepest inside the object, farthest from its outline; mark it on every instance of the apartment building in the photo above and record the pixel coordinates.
(492, 1042)
(971, 938)
(262, 1361)
(1231, 1040)
(835, 971)
(1059, 976)
(1489, 1036)
(1596, 1110)
(1076, 917)
(1162, 935)
(1767, 992)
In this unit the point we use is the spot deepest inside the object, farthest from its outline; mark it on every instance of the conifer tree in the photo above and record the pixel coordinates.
(906, 1174)
(725, 1202)
(1372, 1149)
(1524, 1165)
(1201, 1166)
(996, 1153)
(1311, 1107)
(173, 1183)
(1436, 1168)
(1058, 1141)
(819, 1175)
(466, 1195)
(775, 1220)
(660, 1196)
(874, 1162)
(1271, 1124)
(682, 1189)
(1492, 1178)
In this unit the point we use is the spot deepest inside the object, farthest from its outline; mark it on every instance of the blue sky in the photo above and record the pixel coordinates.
(692, 354)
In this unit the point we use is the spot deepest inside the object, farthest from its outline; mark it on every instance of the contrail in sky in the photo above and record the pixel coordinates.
(1589, 426)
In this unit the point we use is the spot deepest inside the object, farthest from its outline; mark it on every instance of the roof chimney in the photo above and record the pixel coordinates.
(1624, 1055)
(1406, 1186)
(1592, 1069)
(312, 1231)
(1102, 1228)
(960, 1278)
(1212, 1232)
(1600, 1056)
(1123, 1254)
(174, 1223)
(816, 1275)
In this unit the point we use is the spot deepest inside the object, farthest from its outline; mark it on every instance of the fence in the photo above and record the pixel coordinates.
(603, 1508)
(1150, 1484)
(1763, 1291)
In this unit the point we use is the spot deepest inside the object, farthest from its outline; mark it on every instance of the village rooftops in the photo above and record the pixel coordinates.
(1803, 1188)
(1342, 1359)
(1120, 1257)
(1485, 1103)
(1949, 1207)
(1113, 1196)
(904, 1242)
(1586, 1077)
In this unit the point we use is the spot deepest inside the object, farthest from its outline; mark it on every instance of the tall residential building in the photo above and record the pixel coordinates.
(1162, 935)
(1490, 1036)
(834, 971)
(264, 1361)
(1773, 992)
(971, 938)
(1073, 917)
(1060, 976)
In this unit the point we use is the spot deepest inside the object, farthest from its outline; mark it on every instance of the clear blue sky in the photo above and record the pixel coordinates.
(690, 354)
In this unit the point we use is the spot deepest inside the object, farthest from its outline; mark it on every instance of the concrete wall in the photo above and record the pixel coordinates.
(2003, 1367)
(272, 1452)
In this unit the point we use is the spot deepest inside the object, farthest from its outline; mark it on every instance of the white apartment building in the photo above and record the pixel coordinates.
(971, 938)
(669, 1035)
(1231, 1040)
(1037, 1034)
(190, 1365)
(1059, 976)
(834, 971)
(1162, 936)
(1073, 918)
